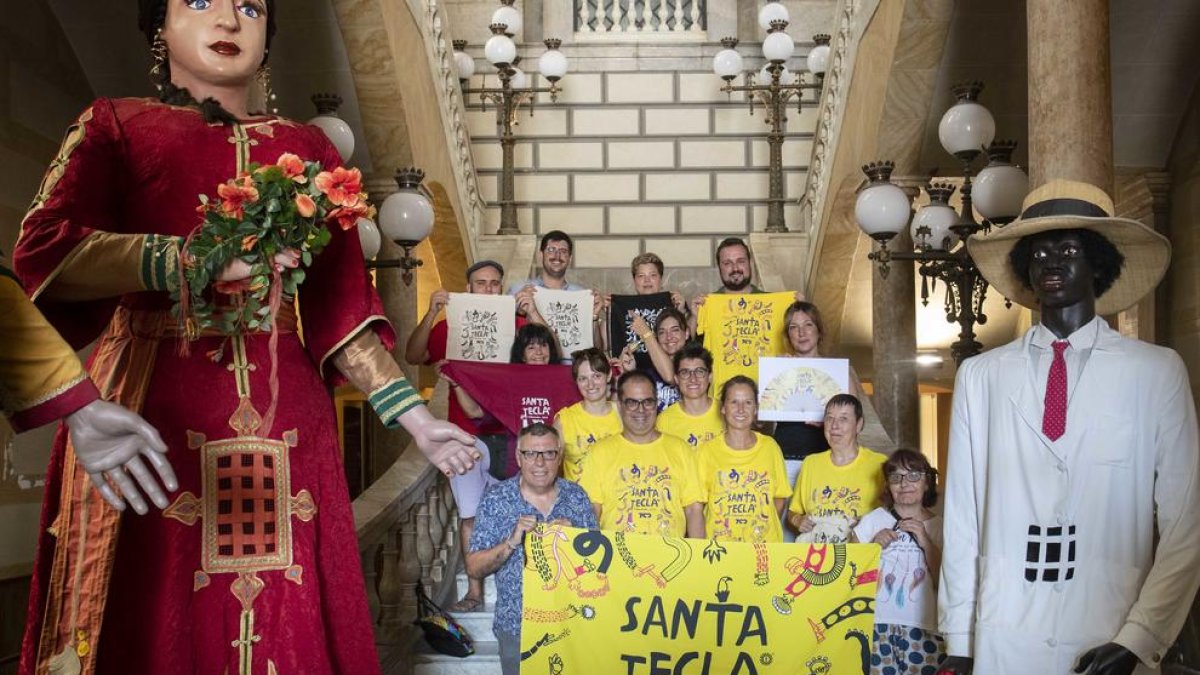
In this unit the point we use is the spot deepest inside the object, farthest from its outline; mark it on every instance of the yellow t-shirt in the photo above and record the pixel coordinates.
(738, 329)
(853, 491)
(695, 430)
(581, 430)
(642, 488)
(742, 486)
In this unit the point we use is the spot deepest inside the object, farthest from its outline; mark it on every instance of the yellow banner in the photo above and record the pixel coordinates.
(610, 603)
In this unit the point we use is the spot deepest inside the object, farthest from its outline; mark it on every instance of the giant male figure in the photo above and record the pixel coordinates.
(1072, 520)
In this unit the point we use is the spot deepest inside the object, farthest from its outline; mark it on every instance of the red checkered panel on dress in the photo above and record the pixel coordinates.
(246, 505)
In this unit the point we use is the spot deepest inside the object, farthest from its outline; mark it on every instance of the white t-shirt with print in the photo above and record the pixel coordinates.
(906, 594)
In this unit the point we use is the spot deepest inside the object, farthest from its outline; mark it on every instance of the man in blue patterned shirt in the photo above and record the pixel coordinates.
(511, 509)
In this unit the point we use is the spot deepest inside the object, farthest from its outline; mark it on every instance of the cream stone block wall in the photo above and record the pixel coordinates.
(491, 216)
(640, 87)
(704, 88)
(487, 155)
(712, 154)
(609, 187)
(796, 152)
(713, 218)
(678, 121)
(791, 216)
(641, 219)
(632, 161)
(571, 219)
(641, 154)
(678, 187)
(683, 251)
(539, 188)
(570, 155)
(743, 185)
(607, 252)
(605, 121)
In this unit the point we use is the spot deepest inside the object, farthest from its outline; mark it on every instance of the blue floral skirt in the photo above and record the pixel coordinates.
(906, 650)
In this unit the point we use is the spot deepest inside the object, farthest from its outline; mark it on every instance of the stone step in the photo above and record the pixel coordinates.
(489, 588)
(485, 661)
(478, 624)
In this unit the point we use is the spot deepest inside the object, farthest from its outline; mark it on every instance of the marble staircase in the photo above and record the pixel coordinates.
(485, 660)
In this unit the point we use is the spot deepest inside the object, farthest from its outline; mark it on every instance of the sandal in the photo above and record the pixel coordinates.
(467, 604)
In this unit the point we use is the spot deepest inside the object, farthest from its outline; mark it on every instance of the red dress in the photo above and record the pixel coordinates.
(254, 568)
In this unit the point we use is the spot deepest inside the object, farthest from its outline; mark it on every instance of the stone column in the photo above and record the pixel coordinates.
(400, 307)
(1070, 92)
(894, 346)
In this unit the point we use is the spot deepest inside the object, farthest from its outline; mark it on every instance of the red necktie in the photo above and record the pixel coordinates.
(1054, 419)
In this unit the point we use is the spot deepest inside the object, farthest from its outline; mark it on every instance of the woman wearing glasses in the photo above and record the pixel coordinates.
(742, 472)
(695, 418)
(911, 538)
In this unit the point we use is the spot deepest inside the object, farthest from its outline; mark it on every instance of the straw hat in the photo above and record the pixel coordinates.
(1064, 205)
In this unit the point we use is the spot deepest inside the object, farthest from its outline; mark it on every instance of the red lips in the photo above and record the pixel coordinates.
(225, 48)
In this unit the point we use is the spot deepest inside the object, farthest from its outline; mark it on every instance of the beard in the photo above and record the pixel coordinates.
(740, 284)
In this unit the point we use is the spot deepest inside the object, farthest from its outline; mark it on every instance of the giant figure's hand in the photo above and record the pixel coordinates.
(956, 665)
(1107, 659)
(110, 442)
(449, 448)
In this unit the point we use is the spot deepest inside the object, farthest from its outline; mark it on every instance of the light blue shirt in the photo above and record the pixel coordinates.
(537, 282)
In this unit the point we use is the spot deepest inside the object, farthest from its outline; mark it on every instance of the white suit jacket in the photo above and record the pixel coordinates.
(1050, 546)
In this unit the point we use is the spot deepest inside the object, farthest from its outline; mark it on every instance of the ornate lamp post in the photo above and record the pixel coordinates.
(882, 209)
(516, 88)
(406, 217)
(774, 93)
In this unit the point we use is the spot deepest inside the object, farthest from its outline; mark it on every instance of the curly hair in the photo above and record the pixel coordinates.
(152, 14)
(1101, 253)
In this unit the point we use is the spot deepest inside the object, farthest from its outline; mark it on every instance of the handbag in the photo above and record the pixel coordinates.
(442, 632)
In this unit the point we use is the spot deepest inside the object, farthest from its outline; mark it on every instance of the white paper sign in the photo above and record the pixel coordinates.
(568, 314)
(480, 327)
(795, 390)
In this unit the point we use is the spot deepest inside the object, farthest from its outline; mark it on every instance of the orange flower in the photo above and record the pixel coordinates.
(341, 185)
(293, 167)
(347, 216)
(235, 194)
(305, 205)
(249, 241)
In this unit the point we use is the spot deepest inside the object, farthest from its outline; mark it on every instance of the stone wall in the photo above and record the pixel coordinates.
(1183, 278)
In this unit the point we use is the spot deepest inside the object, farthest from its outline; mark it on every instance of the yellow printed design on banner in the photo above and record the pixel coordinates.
(661, 604)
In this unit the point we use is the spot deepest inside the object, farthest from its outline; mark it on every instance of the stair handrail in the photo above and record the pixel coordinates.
(439, 53)
(407, 528)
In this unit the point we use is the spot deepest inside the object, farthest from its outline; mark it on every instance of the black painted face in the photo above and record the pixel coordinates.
(1059, 271)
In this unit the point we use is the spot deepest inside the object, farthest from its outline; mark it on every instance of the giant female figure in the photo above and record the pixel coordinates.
(253, 567)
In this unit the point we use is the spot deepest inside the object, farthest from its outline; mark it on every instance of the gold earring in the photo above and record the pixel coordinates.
(264, 81)
(158, 51)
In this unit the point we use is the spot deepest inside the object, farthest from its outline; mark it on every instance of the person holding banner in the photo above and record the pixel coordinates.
(695, 418)
(743, 473)
(910, 536)
(837, 487)
(512, 510)
(593, 419)
(642, 480)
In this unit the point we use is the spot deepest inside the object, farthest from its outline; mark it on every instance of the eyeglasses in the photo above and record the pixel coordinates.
(553, 250)
(689, 373)
(633, 404)
(898, 477)
(544, 455)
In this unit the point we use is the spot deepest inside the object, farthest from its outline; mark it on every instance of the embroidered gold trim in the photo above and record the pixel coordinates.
(186, 509)
(353, 333)
(211, 559)
(58, 168)
(50, 395)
